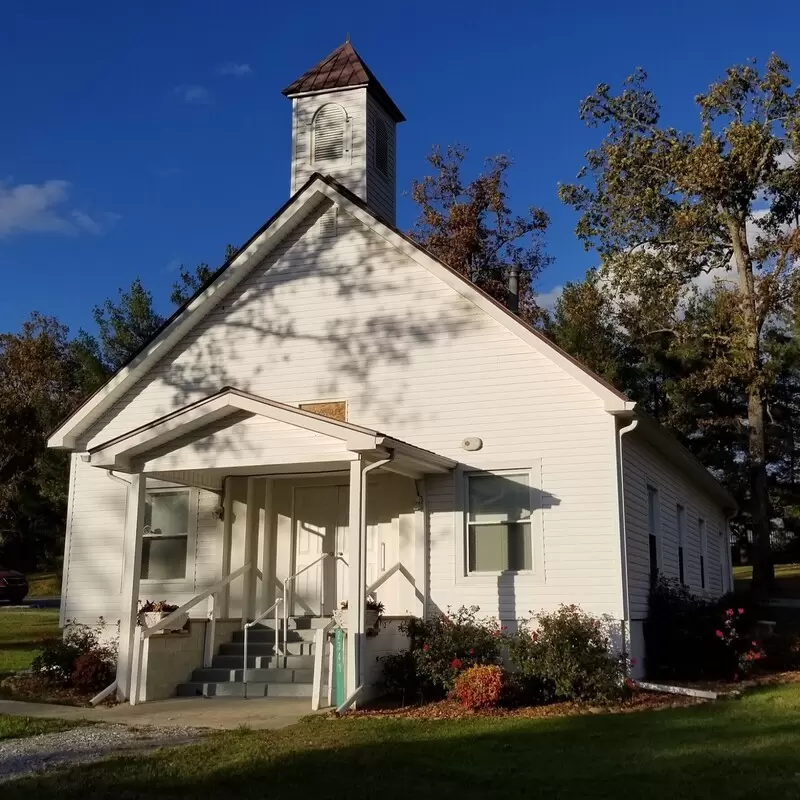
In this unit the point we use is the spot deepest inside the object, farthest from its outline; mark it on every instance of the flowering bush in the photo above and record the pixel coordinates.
(480, 686)
(93, 671)
(567, 655)
(690, 638)
(57, 662)
(446, 644)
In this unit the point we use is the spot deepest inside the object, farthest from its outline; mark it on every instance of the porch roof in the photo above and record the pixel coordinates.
(327, 442)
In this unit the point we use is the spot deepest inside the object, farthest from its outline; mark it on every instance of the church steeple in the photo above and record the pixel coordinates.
(344, 125)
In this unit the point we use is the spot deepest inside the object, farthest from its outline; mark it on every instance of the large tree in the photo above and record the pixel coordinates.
(471, 227)
(665, 206)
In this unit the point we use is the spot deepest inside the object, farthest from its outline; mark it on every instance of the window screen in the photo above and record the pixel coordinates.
(381, 147)
(498, 523)
(166, 535)
(329, 124)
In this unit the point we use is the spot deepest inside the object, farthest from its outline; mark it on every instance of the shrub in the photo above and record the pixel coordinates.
(400, 674)
(58, 661)
(480, 686)
(691, 638)
(781, 651)
(447, 644)
(567, 656)
(93, 671)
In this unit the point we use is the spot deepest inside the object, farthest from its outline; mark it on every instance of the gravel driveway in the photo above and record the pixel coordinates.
(81, 745)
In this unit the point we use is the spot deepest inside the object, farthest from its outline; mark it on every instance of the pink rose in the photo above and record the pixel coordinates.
(729, 612)
(425, 647)
(719, 634)
(740, 610)
(633, 662)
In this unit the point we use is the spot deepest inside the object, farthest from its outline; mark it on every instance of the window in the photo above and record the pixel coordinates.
(166, 535)
(328, 133)
(652, 529)
(382, 147)
(701, 527)
(681, 517)
(499, 523)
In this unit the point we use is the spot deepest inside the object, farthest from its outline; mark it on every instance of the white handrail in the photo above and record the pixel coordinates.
(248, 625)
(146, 632)
(398, 567)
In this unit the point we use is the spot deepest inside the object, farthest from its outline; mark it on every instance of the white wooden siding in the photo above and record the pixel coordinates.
(381, 189)
(644, 465)
(355, 319)
(93, 560)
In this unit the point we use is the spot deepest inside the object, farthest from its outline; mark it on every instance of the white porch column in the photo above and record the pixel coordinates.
(357, 579)
(227, 523)
(131, 575)
(268, 547)
(254, 498)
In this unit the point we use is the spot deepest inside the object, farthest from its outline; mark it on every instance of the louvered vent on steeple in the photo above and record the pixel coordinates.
(329, 130)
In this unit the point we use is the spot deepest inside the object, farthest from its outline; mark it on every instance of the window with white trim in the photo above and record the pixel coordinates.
(499, 523)
(167, 528)
(328, 134)
(653, 529)
(701, 527)
(681, 518)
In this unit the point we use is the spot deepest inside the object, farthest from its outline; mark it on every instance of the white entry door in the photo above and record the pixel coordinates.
(320, 526)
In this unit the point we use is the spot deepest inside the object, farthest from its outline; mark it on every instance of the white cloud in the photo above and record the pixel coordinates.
(42, 208)
(235, 70)
(548, 299)
(193, 95)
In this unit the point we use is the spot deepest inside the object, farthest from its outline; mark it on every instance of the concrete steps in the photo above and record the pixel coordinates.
(288, 674)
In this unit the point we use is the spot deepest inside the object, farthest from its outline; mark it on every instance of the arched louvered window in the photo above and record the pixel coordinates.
(328, 134)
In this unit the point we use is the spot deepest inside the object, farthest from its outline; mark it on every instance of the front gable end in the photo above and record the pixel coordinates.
(337, 312)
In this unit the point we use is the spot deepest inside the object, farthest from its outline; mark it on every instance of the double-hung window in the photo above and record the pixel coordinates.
(653, 527)
(499, 523)
(681, 518)
(167, 531)
(701, 527)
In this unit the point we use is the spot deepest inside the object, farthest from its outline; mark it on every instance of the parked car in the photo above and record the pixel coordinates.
(13, 585)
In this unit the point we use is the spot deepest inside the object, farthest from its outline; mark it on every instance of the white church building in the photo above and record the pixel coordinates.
(338, 415)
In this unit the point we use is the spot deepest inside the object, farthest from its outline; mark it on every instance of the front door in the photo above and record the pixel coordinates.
(320, 526)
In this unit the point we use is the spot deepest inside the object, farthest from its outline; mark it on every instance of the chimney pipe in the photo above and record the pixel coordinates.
(513, 289)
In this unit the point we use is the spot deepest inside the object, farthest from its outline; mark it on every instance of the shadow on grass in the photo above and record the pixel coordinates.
(730, 750)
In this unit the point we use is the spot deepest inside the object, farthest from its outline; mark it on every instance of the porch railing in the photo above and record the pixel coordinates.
(211, 630)
(283, 603)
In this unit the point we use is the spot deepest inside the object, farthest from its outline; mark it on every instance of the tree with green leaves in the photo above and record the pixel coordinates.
(189, 283)
(471, 227)
(126, 325)
(665, 207)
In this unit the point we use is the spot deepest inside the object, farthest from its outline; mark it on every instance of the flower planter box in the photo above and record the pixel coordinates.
(370, 618)
(149, 618)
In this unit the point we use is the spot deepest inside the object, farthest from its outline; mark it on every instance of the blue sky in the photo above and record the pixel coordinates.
(140, 136)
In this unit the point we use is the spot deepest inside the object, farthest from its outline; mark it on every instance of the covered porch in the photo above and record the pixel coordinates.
(290, 514)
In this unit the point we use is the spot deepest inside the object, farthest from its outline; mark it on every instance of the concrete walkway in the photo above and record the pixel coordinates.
(220, 713)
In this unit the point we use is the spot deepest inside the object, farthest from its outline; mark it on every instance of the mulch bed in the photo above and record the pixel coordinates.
(450, 709)
(32, 688)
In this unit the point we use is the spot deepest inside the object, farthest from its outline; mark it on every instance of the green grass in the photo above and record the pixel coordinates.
(23, 634)
(787, 578)
(44, 584)
(731, 749)
(12, 727)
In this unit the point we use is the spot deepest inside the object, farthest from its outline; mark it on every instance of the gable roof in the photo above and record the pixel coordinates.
(342, 69)
(317, 190)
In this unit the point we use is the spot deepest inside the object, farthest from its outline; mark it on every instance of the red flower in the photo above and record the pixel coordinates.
(425, 647)
(729, 612)
(456, 663)
(633, 662)
(719, 634)
(755, 644)
(740, 610)
(534, 636)
(472, 651)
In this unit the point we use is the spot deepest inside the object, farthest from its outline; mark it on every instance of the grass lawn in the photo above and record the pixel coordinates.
(787, 577)
(731, 749)
(44, 584)
(12, 727)
(23, 634)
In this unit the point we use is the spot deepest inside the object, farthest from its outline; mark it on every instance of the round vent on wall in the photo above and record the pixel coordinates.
(472, 443)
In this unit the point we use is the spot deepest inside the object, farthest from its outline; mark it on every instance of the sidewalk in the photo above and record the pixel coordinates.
(223, 713)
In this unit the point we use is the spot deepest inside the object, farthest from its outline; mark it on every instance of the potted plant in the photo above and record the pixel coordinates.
(372, 616)
(153, 611)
